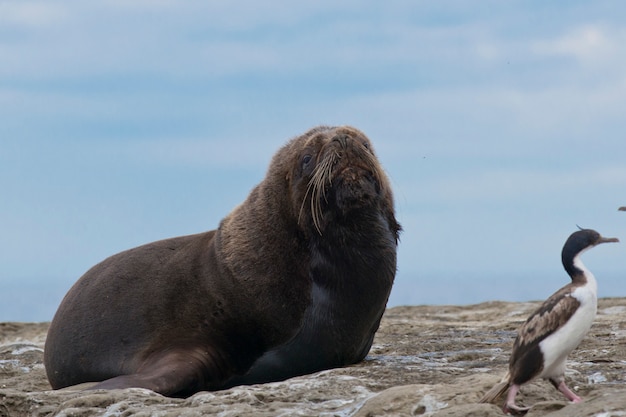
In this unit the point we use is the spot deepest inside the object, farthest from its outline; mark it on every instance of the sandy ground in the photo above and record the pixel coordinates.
(426, 361)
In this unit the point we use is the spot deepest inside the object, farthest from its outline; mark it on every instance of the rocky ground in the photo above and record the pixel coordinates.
(426, 361)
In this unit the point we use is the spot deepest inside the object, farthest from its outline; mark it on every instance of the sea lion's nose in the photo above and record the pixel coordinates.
(342, 139)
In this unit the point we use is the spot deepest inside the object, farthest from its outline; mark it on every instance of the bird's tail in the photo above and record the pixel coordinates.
(494, 393)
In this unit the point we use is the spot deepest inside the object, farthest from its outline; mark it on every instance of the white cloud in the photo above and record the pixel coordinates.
(589, 44)
(506, 185)
(214, 153)
(490, 121)
(32, 13)
(322, 40)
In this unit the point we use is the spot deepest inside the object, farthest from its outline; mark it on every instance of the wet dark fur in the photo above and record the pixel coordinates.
(294, 280)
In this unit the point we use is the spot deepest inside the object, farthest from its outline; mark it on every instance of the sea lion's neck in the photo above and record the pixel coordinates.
(353, 253)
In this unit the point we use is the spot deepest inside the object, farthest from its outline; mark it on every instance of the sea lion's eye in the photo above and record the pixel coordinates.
(305, 160)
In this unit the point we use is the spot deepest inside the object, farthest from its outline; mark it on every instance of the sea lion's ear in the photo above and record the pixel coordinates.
(288, 175)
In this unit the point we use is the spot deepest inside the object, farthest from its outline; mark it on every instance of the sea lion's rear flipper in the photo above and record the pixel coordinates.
(79, 387)
(175, 373)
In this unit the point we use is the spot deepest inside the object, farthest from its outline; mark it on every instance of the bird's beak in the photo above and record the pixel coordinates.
(608, 240)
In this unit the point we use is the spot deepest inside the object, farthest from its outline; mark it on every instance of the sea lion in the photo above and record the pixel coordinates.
(294, 280)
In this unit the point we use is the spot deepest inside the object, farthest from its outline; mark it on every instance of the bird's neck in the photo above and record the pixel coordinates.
(580, 274)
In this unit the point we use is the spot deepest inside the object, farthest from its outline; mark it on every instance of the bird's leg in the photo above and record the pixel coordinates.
(559, 383)
(510, 406)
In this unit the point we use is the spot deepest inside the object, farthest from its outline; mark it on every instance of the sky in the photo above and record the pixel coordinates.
(500, 124)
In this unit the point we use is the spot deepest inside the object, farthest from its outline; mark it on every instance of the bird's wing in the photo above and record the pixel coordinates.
(552, 314)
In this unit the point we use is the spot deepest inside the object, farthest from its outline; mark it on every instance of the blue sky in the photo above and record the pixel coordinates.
(500, 124)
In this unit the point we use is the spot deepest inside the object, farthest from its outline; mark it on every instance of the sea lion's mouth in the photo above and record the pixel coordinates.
(354, 187)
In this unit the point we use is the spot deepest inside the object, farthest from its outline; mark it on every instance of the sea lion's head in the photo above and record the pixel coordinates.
(325, 188)
(333, 175)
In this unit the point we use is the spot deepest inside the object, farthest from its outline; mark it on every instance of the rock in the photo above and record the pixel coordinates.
(425, 361)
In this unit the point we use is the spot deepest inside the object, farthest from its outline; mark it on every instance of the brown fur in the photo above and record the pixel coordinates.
(294, 280)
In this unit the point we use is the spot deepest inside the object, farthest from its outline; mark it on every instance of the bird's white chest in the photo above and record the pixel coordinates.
(563, 341)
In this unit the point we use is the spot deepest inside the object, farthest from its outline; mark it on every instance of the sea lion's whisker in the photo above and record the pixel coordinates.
(329, 170)
(317, 184)
(316, 207)
(308, 188)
